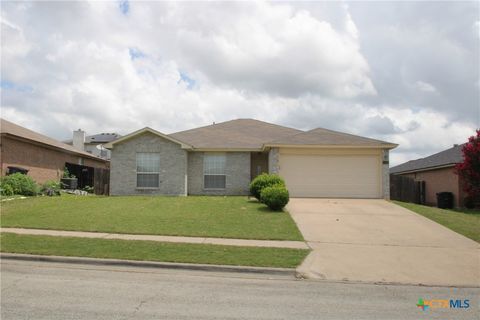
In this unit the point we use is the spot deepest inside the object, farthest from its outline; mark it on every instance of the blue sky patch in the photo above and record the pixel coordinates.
(124, 6)
(185, 78)
(135, 53)
(9, 85)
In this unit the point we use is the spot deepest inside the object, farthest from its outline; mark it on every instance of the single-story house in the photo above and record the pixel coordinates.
(44, 158)
(438, 173)
(223, 158)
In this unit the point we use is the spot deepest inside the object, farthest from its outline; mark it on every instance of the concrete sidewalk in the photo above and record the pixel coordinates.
(198, 240)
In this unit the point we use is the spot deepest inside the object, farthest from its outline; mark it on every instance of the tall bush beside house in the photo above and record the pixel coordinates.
(262, 181)
(469, 170)
(19, 184)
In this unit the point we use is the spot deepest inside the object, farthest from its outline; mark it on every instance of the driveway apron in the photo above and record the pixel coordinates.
(364, 240)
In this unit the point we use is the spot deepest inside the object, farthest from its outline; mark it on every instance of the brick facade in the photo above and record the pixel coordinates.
(237, 174)
(43, 162)
(440, 180)
(173, 166)
(181, 171)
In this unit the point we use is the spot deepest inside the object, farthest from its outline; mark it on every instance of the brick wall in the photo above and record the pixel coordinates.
(273, 159)
(42, 162)
(439, 180)
(173, 162)
(237, 174)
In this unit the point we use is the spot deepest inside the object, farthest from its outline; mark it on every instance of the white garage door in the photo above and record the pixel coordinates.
(332, 176)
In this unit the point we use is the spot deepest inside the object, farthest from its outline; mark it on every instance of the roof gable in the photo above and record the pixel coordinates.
(248, 134)
(447, 157)
(111, 144)
(324, 137)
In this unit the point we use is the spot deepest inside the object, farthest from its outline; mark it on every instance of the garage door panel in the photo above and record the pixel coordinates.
(346, 176)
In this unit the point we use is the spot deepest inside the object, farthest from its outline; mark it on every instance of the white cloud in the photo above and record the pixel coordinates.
(425, 86)
(277, 62)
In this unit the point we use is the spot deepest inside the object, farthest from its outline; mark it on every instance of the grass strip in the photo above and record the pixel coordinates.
(465, 222)
(152, 251)
(215, 217)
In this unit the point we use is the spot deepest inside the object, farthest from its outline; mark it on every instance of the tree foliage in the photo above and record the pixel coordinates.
(469, 169)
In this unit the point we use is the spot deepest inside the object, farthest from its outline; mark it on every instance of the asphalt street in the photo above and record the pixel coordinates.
(46, 290)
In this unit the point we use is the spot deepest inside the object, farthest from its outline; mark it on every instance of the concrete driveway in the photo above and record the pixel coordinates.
(378, 241)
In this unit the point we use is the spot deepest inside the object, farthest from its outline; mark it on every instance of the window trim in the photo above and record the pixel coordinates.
(203, 171)
(142, 172)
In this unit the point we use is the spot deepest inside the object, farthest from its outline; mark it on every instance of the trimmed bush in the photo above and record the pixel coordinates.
(262, 181)
(275, 197)
(6, 190)
(20, 184)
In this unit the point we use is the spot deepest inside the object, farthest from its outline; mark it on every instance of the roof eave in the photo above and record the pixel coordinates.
(329, 146)
(228, 149)
(449, 165)
(53, 147)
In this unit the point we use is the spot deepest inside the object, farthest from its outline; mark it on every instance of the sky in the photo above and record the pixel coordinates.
(403, 72)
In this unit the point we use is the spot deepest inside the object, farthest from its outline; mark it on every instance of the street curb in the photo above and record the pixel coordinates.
(306, 276)
(149, 264)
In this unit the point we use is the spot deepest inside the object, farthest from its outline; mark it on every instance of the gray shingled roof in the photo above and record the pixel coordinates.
(97, 138)
(234, 134)
(7, 127)
(322, 136)
(250, 134)
(102, 137)
(447, 157)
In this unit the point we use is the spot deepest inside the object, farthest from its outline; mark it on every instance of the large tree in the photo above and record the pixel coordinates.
(469, 169)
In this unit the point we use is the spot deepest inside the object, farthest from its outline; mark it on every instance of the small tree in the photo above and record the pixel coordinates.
(469, 169)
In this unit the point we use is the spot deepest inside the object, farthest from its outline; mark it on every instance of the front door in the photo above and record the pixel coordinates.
(258, 164)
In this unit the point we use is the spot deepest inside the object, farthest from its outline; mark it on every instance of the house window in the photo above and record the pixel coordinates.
(214, 171)
(148, 170)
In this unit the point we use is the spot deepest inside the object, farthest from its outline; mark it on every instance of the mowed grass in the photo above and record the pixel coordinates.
(222, 217)
(465, 222)
(152, 251)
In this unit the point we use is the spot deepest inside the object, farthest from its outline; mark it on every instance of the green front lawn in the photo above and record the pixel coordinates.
(222, 217)
(466, 222)
(152, 251)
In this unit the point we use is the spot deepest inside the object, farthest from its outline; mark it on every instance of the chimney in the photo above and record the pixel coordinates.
(79, 139)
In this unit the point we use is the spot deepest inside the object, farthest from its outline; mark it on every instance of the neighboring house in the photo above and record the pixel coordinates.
(438, 172)
(222, 159)
(44, 158)
(92, 144)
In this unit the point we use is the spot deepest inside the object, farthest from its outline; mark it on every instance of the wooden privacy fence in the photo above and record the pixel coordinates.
(407, 189)
(101, 181)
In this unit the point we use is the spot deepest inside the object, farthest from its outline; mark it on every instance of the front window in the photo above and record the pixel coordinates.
(148, 170)
(214, 171)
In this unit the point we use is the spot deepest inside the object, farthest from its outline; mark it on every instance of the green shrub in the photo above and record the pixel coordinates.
(20, 184)
(51, 188)
(262, 181)
(275, 197)
(6, 190)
